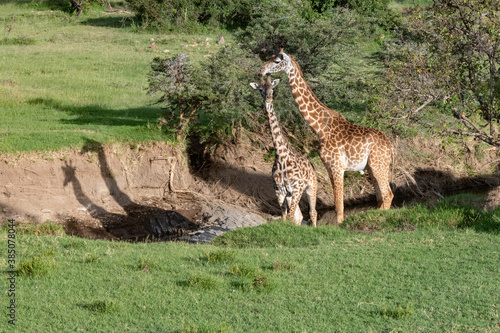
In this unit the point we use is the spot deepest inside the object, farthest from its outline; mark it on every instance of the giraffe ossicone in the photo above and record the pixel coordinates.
(292, 173)
(343, 146)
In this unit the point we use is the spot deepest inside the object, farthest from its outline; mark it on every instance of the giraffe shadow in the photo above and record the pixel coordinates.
(131, 225)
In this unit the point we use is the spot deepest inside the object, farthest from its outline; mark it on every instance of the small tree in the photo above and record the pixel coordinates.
(208, 99)
(181, 98)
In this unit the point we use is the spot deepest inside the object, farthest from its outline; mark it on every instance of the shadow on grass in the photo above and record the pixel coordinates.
(112, 21)
(96, 115)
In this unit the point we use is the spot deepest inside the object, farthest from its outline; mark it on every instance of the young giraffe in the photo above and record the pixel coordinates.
(343, 146)
(292, 172)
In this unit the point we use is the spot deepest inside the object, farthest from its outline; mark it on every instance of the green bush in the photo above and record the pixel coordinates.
(191, 15)
(209, 100)
(66, 5)
(200, 14)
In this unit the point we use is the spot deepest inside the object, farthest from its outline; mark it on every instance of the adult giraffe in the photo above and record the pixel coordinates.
(343, 145)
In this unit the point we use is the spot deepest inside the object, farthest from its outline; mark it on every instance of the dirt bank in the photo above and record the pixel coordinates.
(114, 192)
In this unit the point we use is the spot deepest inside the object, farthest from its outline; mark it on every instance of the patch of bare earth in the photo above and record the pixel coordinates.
(118, 192)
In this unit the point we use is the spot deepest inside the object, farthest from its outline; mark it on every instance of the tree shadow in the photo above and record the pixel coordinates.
(112, 21)
(97, 115)
(429, 179)
(429, 185)
(133, 225)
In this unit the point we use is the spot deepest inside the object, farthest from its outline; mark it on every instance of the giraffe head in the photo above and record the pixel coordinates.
(266, 88)
(277, 63)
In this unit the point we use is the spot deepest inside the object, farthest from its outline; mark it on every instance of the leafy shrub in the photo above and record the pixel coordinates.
(66, 5)
(201, 14)
(325, 45)
(376, 10)
(446, 56)
(211, 99)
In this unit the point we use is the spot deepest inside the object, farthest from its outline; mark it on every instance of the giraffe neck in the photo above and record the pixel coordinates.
(315, 113)
(279, 141)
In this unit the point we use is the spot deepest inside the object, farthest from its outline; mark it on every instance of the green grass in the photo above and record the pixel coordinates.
(435, 276)
(65, 80)
(403, 4)
(105, 306)
(453, 213)
(35, 266)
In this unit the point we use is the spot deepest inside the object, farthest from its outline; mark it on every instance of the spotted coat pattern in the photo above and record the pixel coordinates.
(343, 146)
(292, 173)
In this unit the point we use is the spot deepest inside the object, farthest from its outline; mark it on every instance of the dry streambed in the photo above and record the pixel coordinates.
(116, 192)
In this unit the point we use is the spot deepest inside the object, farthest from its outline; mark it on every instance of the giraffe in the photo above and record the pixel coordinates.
(343, 146)
(292, 172)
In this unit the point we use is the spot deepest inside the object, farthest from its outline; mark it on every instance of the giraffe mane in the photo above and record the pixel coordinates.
(296, 64)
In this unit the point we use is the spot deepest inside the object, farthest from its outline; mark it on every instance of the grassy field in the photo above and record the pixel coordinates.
(67, 79)
(439, 277)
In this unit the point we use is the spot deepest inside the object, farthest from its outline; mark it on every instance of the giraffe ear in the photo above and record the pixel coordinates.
(254, 85)
(275, 82)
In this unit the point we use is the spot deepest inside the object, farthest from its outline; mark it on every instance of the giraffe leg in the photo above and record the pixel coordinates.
(337, 180)
(311, 194)
(383, 190)
(297, 216)
(294, 207)
(378, 193)
(283, 204)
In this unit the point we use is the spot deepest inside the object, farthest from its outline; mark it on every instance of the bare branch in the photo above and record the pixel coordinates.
(414, 112)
